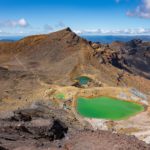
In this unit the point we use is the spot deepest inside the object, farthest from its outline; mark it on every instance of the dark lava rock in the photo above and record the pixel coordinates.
(2, 148)
(23, 129)
(38, 110)
(57, 131)
(134, 42)
(19, 116)
(76, 84)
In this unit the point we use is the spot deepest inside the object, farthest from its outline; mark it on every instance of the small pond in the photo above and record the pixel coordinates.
(60, 96)
(83, 80)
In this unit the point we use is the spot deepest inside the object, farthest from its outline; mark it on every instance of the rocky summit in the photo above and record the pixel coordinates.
(43, 78)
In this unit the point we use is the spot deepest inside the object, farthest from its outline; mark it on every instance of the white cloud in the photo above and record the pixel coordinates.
(143, 10)
(137, 31)
(22, 22)
(21, 32)
(14, 23)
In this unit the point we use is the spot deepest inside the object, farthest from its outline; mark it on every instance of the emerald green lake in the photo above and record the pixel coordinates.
(83, 80)
(107, 108)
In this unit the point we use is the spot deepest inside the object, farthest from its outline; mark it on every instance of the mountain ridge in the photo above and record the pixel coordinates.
(61, 52)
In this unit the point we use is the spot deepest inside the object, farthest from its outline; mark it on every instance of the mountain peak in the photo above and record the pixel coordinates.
(62, 32)
(68, 29)
(65, 30)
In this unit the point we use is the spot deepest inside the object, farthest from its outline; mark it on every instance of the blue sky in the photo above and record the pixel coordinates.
(24, 17)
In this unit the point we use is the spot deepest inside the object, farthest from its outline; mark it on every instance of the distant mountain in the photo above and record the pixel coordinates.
(10, 38)
(101, 38)
(110, 39)
(6, 40)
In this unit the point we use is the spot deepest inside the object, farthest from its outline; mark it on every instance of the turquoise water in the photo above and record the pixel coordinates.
(83, 80)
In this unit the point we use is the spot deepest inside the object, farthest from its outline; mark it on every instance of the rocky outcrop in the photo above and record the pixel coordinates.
(136, 57)
(52, 133)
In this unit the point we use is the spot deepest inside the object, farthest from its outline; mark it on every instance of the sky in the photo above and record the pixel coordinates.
(89, 17)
